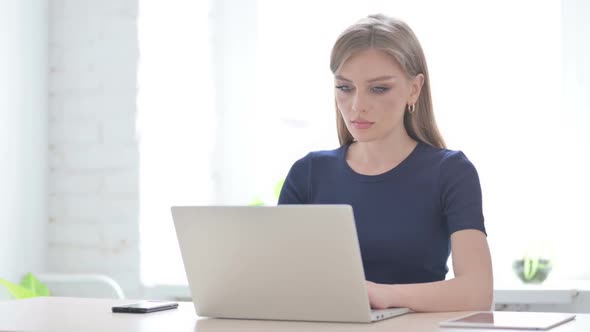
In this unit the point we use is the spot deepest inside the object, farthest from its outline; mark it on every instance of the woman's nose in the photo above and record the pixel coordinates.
(359, 103)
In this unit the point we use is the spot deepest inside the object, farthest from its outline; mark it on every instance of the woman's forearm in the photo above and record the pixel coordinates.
(458, 294)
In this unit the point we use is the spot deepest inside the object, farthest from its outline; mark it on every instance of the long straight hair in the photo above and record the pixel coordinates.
(395, 38)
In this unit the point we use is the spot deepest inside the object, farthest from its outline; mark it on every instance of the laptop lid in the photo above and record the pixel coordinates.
(287, 262)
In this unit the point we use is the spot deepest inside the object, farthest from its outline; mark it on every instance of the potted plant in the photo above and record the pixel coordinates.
(257, 201)
(531, 269)
(29, 286)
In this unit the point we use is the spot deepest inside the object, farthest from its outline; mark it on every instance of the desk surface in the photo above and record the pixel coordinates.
(76, 314)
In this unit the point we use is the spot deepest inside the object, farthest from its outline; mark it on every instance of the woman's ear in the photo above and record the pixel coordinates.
(416, 87)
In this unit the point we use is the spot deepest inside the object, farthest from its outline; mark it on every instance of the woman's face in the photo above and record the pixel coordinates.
(372, 92)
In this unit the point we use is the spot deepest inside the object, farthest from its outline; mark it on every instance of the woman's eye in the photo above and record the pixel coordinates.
(379, 89)
(344, 88)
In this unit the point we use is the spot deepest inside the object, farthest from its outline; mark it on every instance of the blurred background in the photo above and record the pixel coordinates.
(111, 111)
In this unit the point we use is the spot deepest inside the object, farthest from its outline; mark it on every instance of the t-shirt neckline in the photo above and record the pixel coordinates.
(379, 177)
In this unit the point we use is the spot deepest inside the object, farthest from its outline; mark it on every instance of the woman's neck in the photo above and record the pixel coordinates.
(379, 156)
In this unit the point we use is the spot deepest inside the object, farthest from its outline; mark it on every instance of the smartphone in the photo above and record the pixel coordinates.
(143, 307)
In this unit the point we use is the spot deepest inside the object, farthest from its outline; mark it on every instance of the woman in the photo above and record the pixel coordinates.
(415, 202)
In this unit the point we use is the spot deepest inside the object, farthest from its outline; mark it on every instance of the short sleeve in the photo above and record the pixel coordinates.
(296, 187)
(461, 196)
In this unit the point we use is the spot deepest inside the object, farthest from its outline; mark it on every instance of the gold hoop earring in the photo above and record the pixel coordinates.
(412, 108)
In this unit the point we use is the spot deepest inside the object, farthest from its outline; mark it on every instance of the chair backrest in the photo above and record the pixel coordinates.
(81, 285)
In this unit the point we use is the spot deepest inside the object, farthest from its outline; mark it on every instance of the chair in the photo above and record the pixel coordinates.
(81, 285)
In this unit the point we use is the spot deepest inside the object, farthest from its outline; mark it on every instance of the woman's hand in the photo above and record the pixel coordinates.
(378, 297)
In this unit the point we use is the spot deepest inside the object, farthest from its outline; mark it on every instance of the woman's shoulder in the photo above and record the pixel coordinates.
(447, 162)
(444, 156)
(320, 161)
(324, 155)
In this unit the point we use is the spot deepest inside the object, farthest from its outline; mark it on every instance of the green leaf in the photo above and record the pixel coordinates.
(256, 202)
(526, 268)
(33, 284)
(530, 267)
(278, 188)
(17, 291)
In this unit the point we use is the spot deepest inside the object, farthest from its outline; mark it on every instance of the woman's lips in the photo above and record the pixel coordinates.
(361, 124)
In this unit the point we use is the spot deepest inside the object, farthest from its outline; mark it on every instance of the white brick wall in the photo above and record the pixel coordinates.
(93, 154)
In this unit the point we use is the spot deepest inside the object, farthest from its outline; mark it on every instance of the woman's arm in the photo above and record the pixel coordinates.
(471, 289)
(295, 189)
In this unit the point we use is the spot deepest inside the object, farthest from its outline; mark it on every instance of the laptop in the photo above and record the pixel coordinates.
(286, 262)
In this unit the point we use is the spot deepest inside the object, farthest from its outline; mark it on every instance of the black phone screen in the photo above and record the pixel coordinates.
(145, 306)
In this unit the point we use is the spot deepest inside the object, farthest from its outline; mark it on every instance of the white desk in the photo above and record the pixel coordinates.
(52, 314)
(564, 296)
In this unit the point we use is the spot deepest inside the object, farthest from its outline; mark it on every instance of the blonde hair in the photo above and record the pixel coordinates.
(395, 38)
